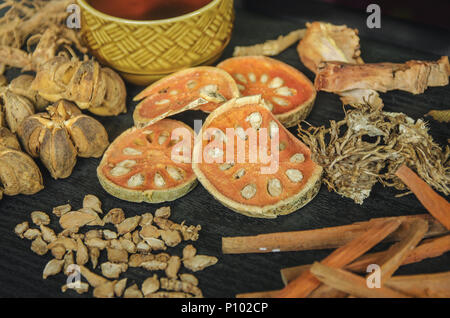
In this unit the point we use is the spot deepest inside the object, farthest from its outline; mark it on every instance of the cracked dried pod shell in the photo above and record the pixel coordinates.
(8, 139)
(288, 93)
(182, 91)
(86, 83)
(21, 85)
(16, 108)
(19, 174)
(60, 135)
(250, 194)
(142, 176)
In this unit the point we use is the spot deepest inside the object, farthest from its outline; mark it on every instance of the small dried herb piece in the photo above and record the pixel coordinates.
(369, 146)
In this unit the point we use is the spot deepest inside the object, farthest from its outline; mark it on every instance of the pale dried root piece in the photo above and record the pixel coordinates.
(442, 116)
(79, 287)
(173, 266)
(60, 135)
(105, 290)
(93, 279)
(120, 286)
(271, 47)
(150, 285)
(199, 262)
(53, 267)
(180, 286)
(412, 76)
(133, 292)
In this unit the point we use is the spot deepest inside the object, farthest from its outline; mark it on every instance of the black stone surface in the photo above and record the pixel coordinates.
(21, 269)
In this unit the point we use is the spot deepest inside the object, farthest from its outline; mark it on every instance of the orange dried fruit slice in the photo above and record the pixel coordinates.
(150, 164)
(203, 87)
(286, 91)
(251, 175)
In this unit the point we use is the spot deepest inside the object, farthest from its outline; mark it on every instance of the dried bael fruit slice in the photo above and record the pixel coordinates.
(204, 86)
(280, 180)
(150, 164)
(286, 91)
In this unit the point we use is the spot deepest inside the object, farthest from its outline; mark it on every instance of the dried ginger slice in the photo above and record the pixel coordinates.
(286, 91)
(281, 183)
(204, 86)
(150, 164)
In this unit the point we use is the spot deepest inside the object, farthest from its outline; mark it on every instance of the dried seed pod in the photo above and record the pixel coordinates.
(60, 135)
(39, 217)
(173, 266)
(86, 83)
(53, 267)
(17, 108)
(133, 292)
(199, 262)
(150, 285)
(21, 85)
(7, 138)
(19, 174)
(114, 216)
(21, 228)
(119, 287)
(39, 246)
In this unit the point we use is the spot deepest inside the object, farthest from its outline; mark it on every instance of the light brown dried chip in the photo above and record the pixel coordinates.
(21, 228)
(79, 287)
(67, 242)
(68, 262)
(93, 279)
(96, 242)
(53, 267)
(58, 251)
(199, 262)
(93, 234)
(163, 212)
(31, 234)
(120, 287)
(128, 245)
(137, 259)
(113, 270)
(133, 292)
(189, 278)
(114, 216)
(154, 265)
(128, 225)
(105, 290)
(91, 201)
(75, 219)
(82, 253)
(94, 254)
(117, 255)
(155, 244)
(39, 217)
(189, 251)
(48, 234)
(173, 266)
(146, 219)
(148, 231)
(150, 285)
(61, 210)
(39, 246)
(171, 237)
(109, 235)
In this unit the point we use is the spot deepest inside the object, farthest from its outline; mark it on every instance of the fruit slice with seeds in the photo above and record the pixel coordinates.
(151, 164)
(286, 91)
(204, 88)
(280, 180)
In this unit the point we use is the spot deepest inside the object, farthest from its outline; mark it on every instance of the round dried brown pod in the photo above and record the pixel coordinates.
(8, 139)
(17, 108)
(60, 135)
(19, 174)
(21, 85)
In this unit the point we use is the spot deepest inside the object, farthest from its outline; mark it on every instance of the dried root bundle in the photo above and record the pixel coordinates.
(369, 146)
(60, 135)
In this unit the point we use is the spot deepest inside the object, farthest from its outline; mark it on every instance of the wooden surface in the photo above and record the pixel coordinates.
(21, 269)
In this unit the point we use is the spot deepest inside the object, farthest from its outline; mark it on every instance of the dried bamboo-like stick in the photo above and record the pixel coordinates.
(351, 283)
(427, 249)
(325, 238)
(433, 202)
(424, 285)
(303, 285)
(271, 47)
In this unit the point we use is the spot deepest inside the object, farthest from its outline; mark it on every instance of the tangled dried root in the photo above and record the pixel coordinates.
(369, 146)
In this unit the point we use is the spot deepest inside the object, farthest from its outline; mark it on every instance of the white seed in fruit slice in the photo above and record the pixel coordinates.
(136, 181)
(174, 92)
(284, 91)
(252, 77)
(162, 102)
(274, 187)
(294, 175)
(225, 166)
(276, 82)
(131, 151)
(191, 84)
(264, 78)
(174, 173)
(268, 104)
(119, 171)
(240, 132)
(255, 120)
(239, 174)
(211, 94)
(219, 135)
(248, 191)
(215, 152)
(159, 180)
(297, 158)
(241, 87)
(163, 137)
(128, 163)
(280, 101)
(241, 78)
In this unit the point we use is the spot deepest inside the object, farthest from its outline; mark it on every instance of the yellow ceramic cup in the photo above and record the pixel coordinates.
(145, 51)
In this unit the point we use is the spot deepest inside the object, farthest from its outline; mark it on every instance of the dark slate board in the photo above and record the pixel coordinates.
(21, 270)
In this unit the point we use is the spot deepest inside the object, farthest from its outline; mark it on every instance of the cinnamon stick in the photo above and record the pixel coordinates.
(429, 248)
(433, 202)
(324, 238)
(351, 283)
(303, 285)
